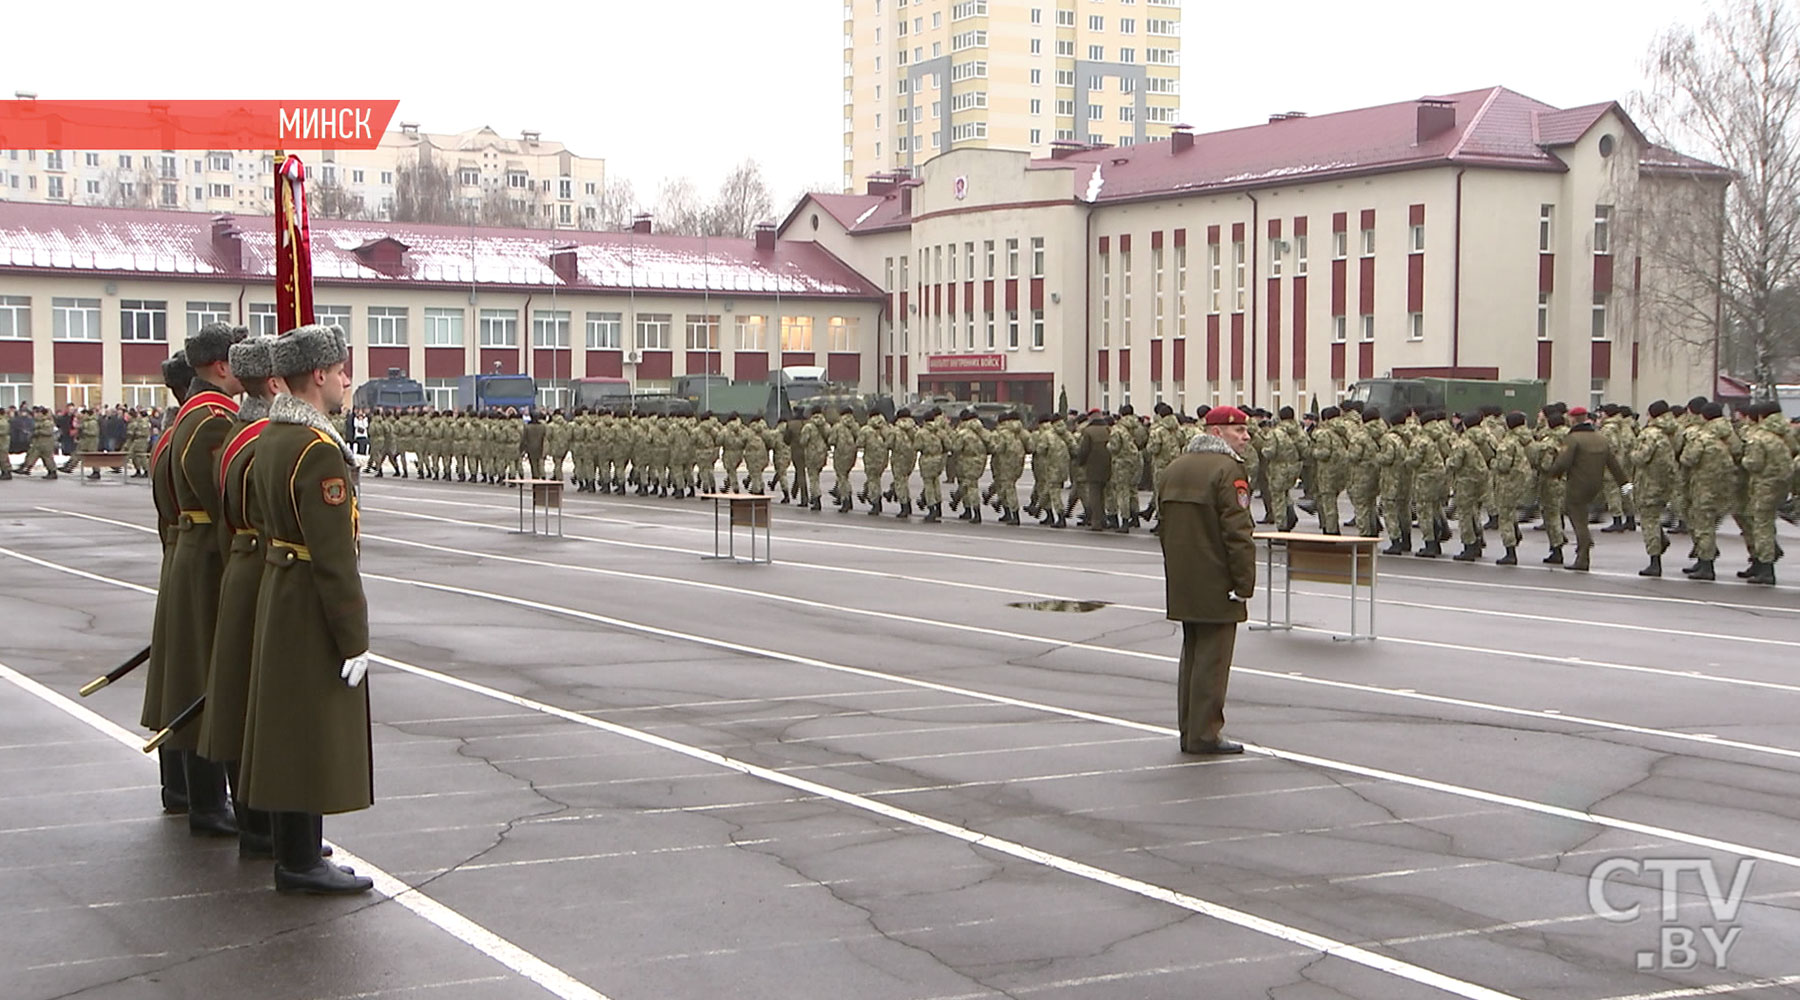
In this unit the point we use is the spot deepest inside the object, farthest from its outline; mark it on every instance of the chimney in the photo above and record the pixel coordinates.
(882, 183)
(1284, 116)
(227, 244)
(25, 95)
(530, 136)
(1436, 116)
(1062, 149)
(640, 223)
(409, 128)
(1181, 139)
(765, 237)
(562, 261)
(906, 199)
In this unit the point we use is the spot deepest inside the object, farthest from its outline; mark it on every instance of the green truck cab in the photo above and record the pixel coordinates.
(1451, 395)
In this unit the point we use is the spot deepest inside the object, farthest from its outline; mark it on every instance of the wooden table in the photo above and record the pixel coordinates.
(114, 460)
(547, 495)
(1347, 559)
(749, 510)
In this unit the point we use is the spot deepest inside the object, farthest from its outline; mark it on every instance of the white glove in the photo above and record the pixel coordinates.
(1233, 595)
(354, 669)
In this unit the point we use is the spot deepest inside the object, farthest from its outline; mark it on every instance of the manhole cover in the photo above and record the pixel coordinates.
(1075, 606)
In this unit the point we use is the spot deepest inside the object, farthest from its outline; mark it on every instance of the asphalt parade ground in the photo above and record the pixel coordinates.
(877, 769)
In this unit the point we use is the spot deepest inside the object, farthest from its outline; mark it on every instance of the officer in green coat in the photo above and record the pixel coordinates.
(306, 729)
(178, 378)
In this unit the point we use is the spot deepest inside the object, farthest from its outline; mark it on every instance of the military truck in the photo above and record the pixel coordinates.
(1451, 395)
(498, 391)
(391, 391)
(601, 393)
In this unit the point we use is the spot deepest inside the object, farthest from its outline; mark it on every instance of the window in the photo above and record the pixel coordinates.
(124, 161)
(1368, 327)
(1096, 113)
(1037, 15)
(1037, 76)
(1156, 288)
(1300, 254)
(1274, 257)
(969, 260)
(440, 393)
(702, 332)
(1037, 106)
(1127, 25)
(387, 177)
(1163, 57)
(1037, 137)
(1415, 326)
(1065, 19)
(1216, 278)
(1037, 256)
(1127, 113)
(1599, 325)
(1096, 22)
(1037, 329)
(1418, 238)
(140, 320)
(550, 328)
(1128, 55)
(15, 317)
(1543, 316)
(1155, 26)
(338, 316)
(469, 176)
(1065, 109)
(1239, 276)
(1012, 329)
(990, 331)
(1096, 53)
(796, 333)
(165, 166)
(1338, 331)
(218, 190)
(75, 390)
(53, 159)
(443, 327)
(387, 326)
(1368, 243)
(976, 69)
(1127, 84)
(1340, 245)
(1064, 77)
(356, 177)
(840, 332)
(1125, 298)
(1162, 85)
(1546, 218)
(968, 130)
(1596, 394)
(53, 187)
(1105, 299)
(653, 331)
(214, 161)
(968, 40)
(1012, 258)
(263, 320)
(499, 328)
(199, 314)
(970, 8)
(965, 101)
(171, 196)
(1603, 229)
(603, 330)
(937, 19)
(1181, 291)
(136, 391)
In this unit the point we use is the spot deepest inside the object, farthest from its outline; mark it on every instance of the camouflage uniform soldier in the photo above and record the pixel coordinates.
(875, 443)
(1427, 455)
(1395, 481)
(1513, 480)
(137, 444)
(1331, 455)
(843, 459)
(815, 442)
(1009, 464)
(1049, 470)
(971, 455)
(731, 451)
(759, 441)
(87, 442)
(43, 445)
(1621, 432)
(1553, 490)
(556, 446)
(1164, 444)
(1286, 457)
(1468, 470)
(1711, 486)
(1363, 478)
(930, 441)
(1127, 466)
(1769, 463)
(903, 455)
(785, 437)
(1653, 482)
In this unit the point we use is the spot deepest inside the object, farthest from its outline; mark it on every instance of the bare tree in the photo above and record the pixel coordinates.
(742, 202)
(331, 200)
(618, 203)
(128, 189)
(426, 192)
(1730, 93)
(678, 208)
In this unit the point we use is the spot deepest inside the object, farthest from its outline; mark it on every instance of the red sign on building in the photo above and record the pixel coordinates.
(952, 364)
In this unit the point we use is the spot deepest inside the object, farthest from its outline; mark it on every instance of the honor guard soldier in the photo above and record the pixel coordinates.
(178, 377)
(306, 729)
(189, 599)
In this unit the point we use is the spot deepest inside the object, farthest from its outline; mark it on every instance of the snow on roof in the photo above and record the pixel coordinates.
(130, 241)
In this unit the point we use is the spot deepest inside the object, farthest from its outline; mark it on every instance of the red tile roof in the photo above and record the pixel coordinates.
(1493, 127)
(130, 242)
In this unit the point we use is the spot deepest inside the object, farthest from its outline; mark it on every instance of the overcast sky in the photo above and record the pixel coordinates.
(663, 89)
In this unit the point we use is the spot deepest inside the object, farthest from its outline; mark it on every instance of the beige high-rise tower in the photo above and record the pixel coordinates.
(925, 76)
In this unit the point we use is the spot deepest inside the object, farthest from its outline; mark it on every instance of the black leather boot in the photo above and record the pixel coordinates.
(1763, 573)
(1703, 570)
(1469, 554)
(1654, 569)
(255, 837)
(933, 514)
(299, 864)
(1511, 558)
(1555, 558)
(174, 780)
(905, 510)
(209, 808)
(1433, 548)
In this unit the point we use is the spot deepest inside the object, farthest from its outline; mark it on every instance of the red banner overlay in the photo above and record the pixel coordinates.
(194, 125)
(947, 364)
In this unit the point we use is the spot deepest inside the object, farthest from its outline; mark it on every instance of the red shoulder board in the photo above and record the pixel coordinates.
(236, 444)
(210, 399)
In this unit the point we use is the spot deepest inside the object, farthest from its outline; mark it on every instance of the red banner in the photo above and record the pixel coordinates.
(187, 125)
(293, 247)
(948, 364)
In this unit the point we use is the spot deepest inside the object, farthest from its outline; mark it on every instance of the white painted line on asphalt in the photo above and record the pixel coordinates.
(1323, 763)
(1023, 852)
(1111, 547)
(555, 981)
(1720, 990)
(1398, 692)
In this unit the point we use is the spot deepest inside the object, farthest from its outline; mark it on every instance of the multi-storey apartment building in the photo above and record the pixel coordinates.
(922, 77)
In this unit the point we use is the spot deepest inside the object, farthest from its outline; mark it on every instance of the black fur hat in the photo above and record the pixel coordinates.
(177, 374)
